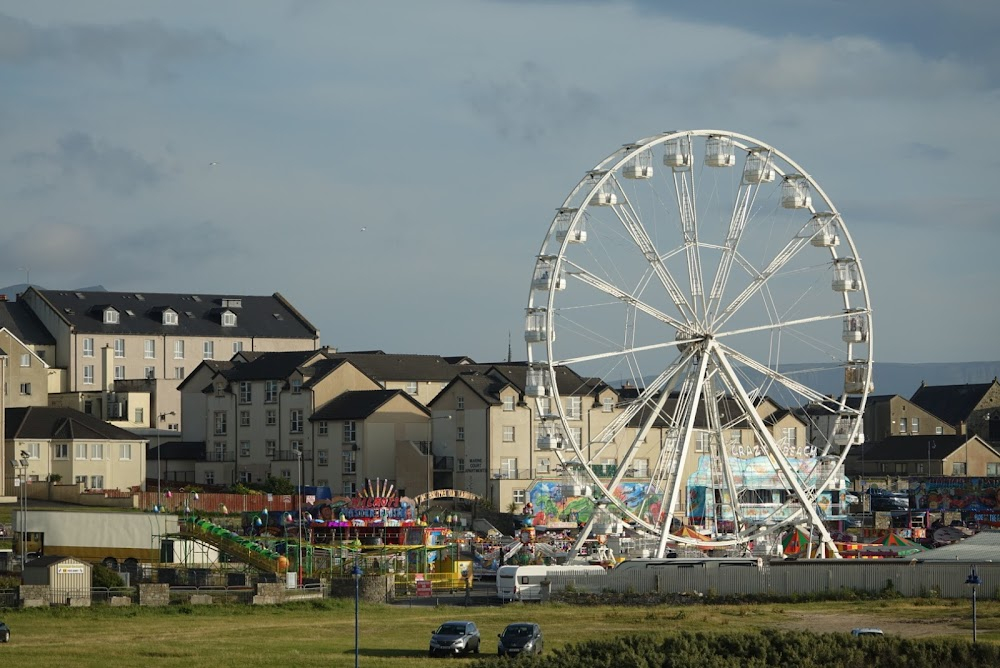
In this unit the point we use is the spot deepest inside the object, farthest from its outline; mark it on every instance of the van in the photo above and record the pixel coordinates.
(524, 583)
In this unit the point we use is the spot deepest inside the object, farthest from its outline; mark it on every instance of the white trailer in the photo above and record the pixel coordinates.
(525, 583)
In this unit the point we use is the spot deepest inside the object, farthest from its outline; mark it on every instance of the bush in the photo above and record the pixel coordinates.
(102, 576)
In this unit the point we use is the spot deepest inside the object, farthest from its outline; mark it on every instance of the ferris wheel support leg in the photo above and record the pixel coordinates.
(585, 532)
(776, 454)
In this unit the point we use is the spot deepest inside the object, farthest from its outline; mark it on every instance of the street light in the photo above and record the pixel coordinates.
(159, 474)
(356, 572)
(21, 467)
(298, 451)
(973, 581)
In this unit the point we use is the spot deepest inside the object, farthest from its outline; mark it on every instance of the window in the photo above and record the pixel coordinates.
(322, 457)
(460, 403)
(508, 468)
(993, 469)
(296, 386)
(228, 319)
(110, 317)
(958, 468)
(915, 425)
(350, 431)
(573, 408)
(140, 417)
(939, 429)
(543, 465)
(508, 402)
(25, 389)
(178, 372)
(271, 417)
(97, 451)
(244, 448)
(411, 387)
(245, 477)
(88, 374)
(149, 349)
(324, 428)
(902, 425)
(119, 348)
(459, 433)
(237, 347)
(80, 451)
(178, 350)
(508, 434)
(270, 391)
(640, 468)
(97, 482)
(208, 350)
(80, 480)
(349, 488)
(33, 450)
(703, 442)
(577, 434)
(61, 451)
(119, 372)
(607, 405)
(736, 437)
(899, 468)
(790, 436)
(921, 467)
(349, 461)
(245, 392)
(544, 407)
(169, 318)
(220, 422)
(518, 495)
(461, 465)
(125, 452)
(209, 477)
(244, 418)
(26, 359)
(149, 372)
(88, 348)
(295, 421)
(271, 447)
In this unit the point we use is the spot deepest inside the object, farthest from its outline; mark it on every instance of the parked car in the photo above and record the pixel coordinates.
(455, 638)
(4, 632)
(520, 638)
(866, 632)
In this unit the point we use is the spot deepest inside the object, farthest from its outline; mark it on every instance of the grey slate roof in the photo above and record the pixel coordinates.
(44, 422)
(24, 324)
(198, 315)
(174, 450)
(384, 367)
(951, 403)
(269, 365)
(905, 448)
(359, 405)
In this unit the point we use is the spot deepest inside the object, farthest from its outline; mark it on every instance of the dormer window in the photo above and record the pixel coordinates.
(111, 316)
(169, 317)
(228, 319)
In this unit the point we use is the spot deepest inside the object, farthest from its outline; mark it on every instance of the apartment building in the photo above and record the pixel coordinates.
(28, 347)
(308, 415)
(153, 341)
(78, 447)
(892, 415)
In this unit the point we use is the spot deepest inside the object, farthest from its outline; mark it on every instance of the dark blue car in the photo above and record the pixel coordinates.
(520, 638)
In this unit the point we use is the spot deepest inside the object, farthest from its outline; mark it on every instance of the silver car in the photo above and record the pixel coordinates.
(455, 638)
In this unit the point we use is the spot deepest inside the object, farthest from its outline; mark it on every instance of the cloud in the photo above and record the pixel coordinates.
(531, 104)
(111, 48)
(111, 168)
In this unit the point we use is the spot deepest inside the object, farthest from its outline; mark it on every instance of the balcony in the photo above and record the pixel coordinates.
(292, 456)
(504, 474)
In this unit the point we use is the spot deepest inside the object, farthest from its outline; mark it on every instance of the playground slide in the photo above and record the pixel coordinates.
(234, 545)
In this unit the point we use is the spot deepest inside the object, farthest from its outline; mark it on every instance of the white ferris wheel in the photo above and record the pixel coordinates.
(706, 290)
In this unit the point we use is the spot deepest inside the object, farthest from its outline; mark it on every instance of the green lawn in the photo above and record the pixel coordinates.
(322, 633)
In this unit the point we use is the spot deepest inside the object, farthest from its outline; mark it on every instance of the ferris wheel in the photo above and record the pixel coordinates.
(711, 303)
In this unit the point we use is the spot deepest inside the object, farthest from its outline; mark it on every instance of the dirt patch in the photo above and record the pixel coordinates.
(840, 622)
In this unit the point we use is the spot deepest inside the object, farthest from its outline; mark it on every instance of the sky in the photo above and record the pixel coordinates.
(392, 167)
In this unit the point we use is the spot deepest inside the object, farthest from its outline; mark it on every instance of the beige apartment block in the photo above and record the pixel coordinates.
(104, 337)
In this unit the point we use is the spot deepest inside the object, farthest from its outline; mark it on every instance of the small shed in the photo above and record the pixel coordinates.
(57, 580)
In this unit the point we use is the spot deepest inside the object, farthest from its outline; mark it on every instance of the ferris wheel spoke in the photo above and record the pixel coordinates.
(737, 224)
(630, 219)
(688, 211)
(801, 389)
(623, 352)
(590, 279)
(780, 325)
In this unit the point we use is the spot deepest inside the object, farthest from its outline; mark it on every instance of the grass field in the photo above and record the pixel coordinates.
(322, 633)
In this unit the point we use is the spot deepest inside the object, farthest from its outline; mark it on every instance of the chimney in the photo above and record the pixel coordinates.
(3, 298)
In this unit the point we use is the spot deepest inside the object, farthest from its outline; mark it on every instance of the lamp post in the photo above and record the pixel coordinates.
(973, 581)
(20, 467)
(356, 572)
(298, 451)
(162, 417)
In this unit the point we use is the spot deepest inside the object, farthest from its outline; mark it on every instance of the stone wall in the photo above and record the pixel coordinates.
(154, 594)
(371, 589)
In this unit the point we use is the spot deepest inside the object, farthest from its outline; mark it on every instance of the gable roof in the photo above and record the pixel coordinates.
(45, 422)
(360, 404)
(951, 403)
(269, 365)
(198, 315)
(922, 447)
(214, 366)
(384, 367)
(21, 321)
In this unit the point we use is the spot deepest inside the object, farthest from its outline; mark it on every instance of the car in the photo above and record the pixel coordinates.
(867, 632)
(453, 638)
(4, 632)
(520, 638)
